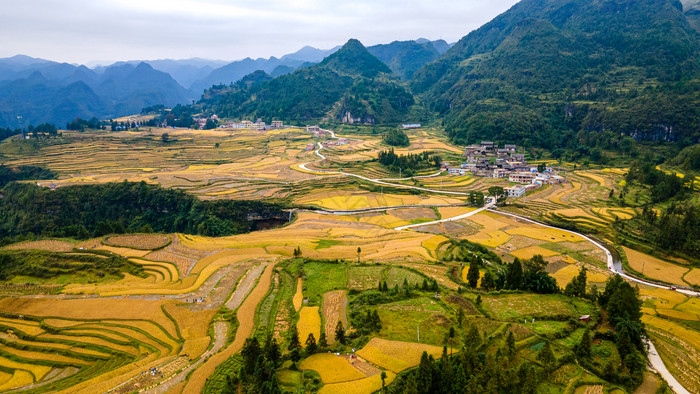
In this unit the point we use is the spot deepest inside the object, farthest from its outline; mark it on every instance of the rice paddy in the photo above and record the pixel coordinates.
(396, 356)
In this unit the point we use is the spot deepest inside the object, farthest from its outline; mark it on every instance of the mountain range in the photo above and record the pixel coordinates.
(576, 74)
(34, 91)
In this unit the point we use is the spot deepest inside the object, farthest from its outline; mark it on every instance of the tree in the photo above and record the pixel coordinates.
(510, 344)
(294, 339)
(577, 286)
(473, 273)
(460, 316)
(542, 167)
(488, 281)
(297, 252)
(496, 191)
(476, 198)
(272, 350)
(211, 124)
(359, 250)
(514, 276)
(250, 352)
(322, 341)
(546, 357)
(340, 332)
(383, 376)
(311, 344)
(583, 350)
(165, 137)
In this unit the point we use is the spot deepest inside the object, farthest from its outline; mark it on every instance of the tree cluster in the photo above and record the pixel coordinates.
(396, 137)
(257, 374)
(532, 278)
(410, 163)
(93, 210)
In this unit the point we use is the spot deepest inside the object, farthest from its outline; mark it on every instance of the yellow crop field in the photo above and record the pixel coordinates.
(491, 239)
(37, 370)
(19, 378)
(557, 198)
(693, 277)
(138, 241)
(693, 337)
(565, 274)
(529, 252)
(597, 178)
(332, 368)
(665, 298)
(433, 243)
(30, 355)
(309, 323)
(545, 234)
(129, 349)
(692, 306)
(48, 245)
(396, 355)
(367, 385)
(655, 268)
(677, 314)
(298, 296)
(128, 252)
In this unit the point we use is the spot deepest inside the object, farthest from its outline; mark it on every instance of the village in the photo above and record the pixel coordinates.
(488, 160)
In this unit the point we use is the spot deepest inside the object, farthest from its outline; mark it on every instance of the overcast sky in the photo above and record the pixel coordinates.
(82, 31)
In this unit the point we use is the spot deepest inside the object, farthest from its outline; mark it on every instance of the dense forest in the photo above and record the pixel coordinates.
(95, 210)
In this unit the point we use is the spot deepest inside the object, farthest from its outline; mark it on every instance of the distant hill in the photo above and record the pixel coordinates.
(43, 91)
(405, 57)
(234, 71)
(350, 85)
(547, 69)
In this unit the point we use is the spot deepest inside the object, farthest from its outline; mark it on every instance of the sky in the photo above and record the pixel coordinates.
(103, 31)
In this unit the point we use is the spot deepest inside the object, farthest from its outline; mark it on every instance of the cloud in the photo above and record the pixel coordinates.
(82, 30)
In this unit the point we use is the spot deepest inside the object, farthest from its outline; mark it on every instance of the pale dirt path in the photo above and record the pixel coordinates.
(246, 319)
(658, 365)
(466, 215)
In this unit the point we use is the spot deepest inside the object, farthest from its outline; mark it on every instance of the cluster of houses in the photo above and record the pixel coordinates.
(488, 160)
(203, 121)
(258, 125)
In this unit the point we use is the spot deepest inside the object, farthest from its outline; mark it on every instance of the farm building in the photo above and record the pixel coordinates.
(515, 191)
(522, 177)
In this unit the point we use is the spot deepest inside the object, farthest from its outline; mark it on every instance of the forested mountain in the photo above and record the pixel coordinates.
(350, 85)
(549, 72)
(405, 57)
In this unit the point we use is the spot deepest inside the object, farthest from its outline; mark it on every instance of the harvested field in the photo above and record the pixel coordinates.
(655, 268)
(138, 241)
(437, 272)
(364, 278)
(332, 368)
(298, 296)
(396, 276)
(309, 323)
(48, 245)
(334, 308)
(565, 274)
(513, 306)
(396, 356)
